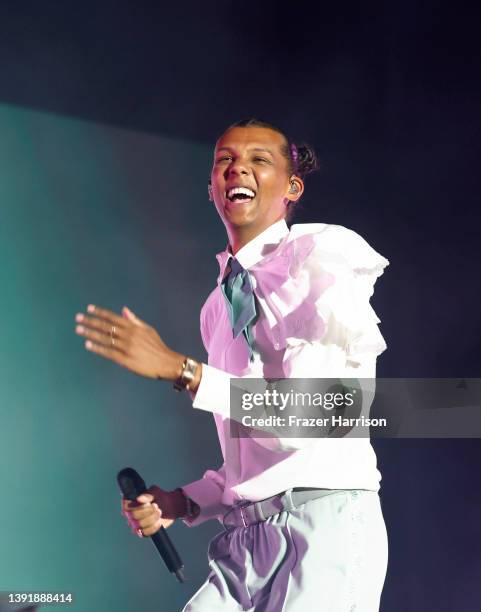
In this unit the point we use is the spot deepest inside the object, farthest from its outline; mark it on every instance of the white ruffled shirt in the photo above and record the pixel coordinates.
(313, 284)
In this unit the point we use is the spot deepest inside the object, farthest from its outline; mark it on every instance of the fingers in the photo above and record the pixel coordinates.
(113, 354)
(107, 315)
(104, 329)
(146, 519)
(140, 512)
(136, 511)
(150, 530)
(128, 314)
(103, 338)
(145, 498)
(99, 324)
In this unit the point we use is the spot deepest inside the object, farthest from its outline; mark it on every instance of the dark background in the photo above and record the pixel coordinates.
(388, 94)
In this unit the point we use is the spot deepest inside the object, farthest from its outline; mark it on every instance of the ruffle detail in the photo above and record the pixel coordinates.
(316, 285)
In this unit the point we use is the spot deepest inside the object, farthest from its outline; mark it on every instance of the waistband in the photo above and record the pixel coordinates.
(255, 512)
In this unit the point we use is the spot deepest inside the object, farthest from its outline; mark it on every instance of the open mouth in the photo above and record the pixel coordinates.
(240, 195)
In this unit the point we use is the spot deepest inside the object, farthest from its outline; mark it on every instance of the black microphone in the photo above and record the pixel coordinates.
(132, 485)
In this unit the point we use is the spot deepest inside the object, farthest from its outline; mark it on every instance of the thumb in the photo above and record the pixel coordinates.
(145, 498)
(128, 314)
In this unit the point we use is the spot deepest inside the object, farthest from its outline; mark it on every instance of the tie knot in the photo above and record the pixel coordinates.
(235, 267)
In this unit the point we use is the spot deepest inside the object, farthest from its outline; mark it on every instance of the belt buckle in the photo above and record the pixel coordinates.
(287, 500)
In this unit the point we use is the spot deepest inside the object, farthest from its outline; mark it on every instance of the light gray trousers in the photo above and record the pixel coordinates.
(329, 555)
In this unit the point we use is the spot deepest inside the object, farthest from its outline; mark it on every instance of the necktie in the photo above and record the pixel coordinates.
(239, 294)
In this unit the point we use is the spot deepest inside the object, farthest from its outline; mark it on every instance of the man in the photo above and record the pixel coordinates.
(303, 522)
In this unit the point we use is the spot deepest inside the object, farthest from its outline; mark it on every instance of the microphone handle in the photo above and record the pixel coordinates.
(132, 485)
(172, 560)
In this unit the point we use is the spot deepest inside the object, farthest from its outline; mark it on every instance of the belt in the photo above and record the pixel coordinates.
(255, 512)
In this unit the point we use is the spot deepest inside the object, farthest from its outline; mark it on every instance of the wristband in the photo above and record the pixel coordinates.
(189, 505)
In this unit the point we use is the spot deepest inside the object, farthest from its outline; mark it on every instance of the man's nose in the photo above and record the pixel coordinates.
(237, 167)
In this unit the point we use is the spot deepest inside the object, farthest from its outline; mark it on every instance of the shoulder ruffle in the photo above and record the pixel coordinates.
(317, 285)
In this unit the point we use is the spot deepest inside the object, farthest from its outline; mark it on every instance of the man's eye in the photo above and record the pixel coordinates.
(262, 159)
(224, 158)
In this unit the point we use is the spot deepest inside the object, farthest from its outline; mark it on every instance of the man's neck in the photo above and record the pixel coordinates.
(240, 236)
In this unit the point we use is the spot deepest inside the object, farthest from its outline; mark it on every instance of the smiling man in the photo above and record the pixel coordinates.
(252, 183)
(303, 526)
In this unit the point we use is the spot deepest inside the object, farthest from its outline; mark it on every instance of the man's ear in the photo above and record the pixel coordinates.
(209, 191)
(296, 188)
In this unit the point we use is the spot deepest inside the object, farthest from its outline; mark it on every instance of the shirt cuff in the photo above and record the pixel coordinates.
(213, 392)
(207, 494)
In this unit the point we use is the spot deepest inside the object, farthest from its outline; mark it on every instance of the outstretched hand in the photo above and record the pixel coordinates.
(128, 341)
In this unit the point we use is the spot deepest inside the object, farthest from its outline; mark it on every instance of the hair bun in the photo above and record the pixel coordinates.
(307, 160)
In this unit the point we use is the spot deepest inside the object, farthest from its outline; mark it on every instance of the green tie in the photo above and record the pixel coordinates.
(239, 295)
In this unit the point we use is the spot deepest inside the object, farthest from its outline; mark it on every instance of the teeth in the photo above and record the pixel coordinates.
(240, 190)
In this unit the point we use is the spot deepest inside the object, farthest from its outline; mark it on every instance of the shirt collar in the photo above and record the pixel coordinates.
(252, 252)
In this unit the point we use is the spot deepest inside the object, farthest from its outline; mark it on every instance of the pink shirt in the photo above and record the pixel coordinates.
(313, 284)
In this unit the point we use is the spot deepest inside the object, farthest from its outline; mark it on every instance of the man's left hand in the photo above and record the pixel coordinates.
(128, 341)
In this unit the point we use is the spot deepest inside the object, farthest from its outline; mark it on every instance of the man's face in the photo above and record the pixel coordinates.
(250, 158)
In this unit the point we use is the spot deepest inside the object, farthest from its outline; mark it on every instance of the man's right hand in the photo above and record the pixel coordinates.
(153, 509)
